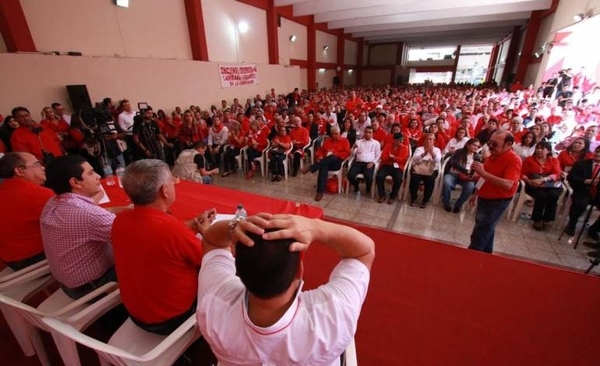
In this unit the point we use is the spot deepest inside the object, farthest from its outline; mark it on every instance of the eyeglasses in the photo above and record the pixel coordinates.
(476, 146)
(37, 164)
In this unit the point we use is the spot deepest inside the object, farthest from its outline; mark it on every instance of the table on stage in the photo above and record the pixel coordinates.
(193, 198)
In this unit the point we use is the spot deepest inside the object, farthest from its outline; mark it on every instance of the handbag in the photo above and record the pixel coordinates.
(546, 185)
(425, 167)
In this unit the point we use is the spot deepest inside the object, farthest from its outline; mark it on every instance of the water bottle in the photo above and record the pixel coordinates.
(120, 170)
(241, 212)
(358, 195)
(108, 174)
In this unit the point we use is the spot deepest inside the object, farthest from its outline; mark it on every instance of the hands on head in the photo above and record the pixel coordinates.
(290, 226)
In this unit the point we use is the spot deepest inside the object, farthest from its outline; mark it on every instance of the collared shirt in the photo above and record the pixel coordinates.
(22, 204)
(315, 330)
(218, 137)
(25, 140)
(367, 151)
(125, 121)
(76, 237)
(506, 166)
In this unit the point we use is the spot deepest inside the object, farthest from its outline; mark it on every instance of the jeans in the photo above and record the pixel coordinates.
(328, 163)
(24, 263)
(361, 168)
(545, 201)
(395, 173)
(450, 181)
(489, 212)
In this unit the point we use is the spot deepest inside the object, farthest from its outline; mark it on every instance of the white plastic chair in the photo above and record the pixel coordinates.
(262, 160)
(78, 313)
(306, 147)
(362, 176)
(436, 184)
(350, 355)
(523, 197)
(339, 174)
(285, 162)
(240, 158)
(20, 285)
(131, 345)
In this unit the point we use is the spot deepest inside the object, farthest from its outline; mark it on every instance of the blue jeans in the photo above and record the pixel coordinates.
(450, 181)
(487, 217)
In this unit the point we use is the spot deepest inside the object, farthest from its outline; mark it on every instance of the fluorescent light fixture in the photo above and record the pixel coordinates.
(293, 38)
(321, 70)
(350, 71)
(578, 17)
(325, 48)
(243, 26)
(122, 3)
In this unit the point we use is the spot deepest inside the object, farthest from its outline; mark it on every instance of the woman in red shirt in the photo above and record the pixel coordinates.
(541, 173)
(257, 142)
(279, 146)
(413, 133)
(578, 150)
(54, 124)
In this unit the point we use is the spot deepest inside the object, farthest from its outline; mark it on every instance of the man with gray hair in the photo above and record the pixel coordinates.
(334, 151)
(157, 257)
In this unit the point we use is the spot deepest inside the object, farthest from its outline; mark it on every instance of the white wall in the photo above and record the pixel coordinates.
(326, 39)
(350, 52)
(350, 77)
(325, 78)
(225, 42)
(291, 50)
(449, 62)
(383, 54)
(38, 80)
(99, 28)
(376, 77)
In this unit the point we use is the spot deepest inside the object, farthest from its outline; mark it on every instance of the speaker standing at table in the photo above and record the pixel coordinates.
(499, 180)
(251, 308)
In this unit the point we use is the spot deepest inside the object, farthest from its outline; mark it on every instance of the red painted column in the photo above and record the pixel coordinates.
(193, 11)
(14, 27)
(533, 28)
(341, 49)
(492, 64)
(359, 61)
(311, 70)
(512, 53)
(455, 64)
(272, 37)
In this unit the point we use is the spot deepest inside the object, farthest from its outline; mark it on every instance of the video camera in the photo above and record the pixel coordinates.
(143, 107)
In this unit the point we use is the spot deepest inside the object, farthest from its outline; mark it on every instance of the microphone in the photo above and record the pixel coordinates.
(477, 157)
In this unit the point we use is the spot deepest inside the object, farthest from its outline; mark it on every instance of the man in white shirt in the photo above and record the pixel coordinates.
(367, 152)
(125, 119)
(263, 317)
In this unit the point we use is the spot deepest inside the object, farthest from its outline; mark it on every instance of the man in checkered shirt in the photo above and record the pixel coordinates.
(75, 230)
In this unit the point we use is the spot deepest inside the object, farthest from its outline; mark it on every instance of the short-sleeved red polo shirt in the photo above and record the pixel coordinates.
(507, 166)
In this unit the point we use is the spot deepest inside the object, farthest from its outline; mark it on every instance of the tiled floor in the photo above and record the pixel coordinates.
(515, 239)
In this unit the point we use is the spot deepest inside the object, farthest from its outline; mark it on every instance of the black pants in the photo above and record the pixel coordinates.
(229, 158)
(428, 183)
(395, 173)
(168, 326)
(297, 155)
(277, 159)
(361, 168)
(81, 291)
(545, 201)
(24, 263)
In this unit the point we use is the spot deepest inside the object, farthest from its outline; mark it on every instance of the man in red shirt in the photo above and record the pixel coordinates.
(33, 138)
(300, 138)
(333, 152)
(393, 160)
(23, 199)
(157, 258)
(499, 180)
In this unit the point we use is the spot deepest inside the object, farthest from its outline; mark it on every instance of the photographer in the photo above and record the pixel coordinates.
(33, 138)
(147, 136)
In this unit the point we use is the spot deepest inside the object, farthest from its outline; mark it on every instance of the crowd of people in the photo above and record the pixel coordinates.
(491, 139)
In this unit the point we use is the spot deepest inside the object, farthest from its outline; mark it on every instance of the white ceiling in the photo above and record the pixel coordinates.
(421, 22)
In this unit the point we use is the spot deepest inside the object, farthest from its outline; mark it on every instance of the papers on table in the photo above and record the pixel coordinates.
(220, 217)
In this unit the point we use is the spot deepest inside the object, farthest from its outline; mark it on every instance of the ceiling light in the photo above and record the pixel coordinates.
(293, 38)
(350, 71)
(122, 3)
(243, 26)
(578, 17)
(325, 48)
(321, 70)
(536, 55)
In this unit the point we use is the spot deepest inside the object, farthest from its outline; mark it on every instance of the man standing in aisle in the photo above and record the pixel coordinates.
(499, 180)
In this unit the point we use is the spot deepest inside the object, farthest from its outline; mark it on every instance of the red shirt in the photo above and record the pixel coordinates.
(339, 147)
(300, 135)
(22, 204)
(58, 128)
(531, 165)
(400, 153)
(506, 166)
(259, 138)
(380, 136)
(25, 140)
(566, 160)
(157, 259)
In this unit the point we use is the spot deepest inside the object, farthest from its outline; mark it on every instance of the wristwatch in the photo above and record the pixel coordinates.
(233, 223)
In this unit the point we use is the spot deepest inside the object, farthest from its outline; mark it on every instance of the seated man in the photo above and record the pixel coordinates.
(300, 138)
(191, 165)
(156, 257)
(75, 230)
(263, 317)
(584, 178)
(333, 152)
(33, 138)
(460, 173)
(23, 199)
(393, 161)
(367, 152)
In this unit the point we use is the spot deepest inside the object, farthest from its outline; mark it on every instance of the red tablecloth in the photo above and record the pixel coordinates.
(193, 198)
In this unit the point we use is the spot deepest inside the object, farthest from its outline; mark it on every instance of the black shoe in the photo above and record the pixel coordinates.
(594, 254)
(456, 209)
(593, 235)
(570, 230)
(592, 244)
(294, 173)
(447, 208)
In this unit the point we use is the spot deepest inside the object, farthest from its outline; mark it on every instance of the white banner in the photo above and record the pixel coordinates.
(238, 75)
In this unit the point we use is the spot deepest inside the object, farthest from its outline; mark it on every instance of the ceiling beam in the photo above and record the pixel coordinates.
(417, 7)
(457, 20)
(442, 28)
(435, 15)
